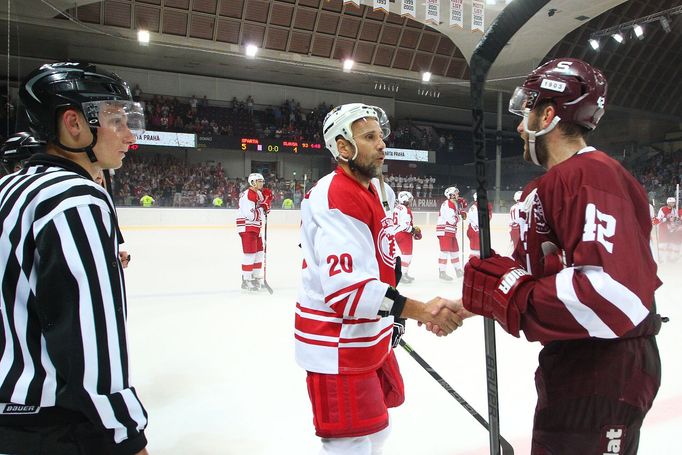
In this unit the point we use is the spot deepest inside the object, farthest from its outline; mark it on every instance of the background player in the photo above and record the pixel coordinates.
(446, 230)
(472, 230)
(405, 232)
(516, 221)
(669, 231)
(254, 205)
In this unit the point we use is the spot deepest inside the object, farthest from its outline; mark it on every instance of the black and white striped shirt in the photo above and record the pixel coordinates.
(63, 304)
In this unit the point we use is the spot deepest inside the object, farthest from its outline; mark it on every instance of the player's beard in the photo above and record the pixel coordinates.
(368, 170)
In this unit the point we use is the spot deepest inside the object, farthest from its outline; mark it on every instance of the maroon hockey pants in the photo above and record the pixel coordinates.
(593, 396)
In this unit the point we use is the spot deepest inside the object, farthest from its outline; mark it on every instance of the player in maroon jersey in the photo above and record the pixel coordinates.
(583, 281)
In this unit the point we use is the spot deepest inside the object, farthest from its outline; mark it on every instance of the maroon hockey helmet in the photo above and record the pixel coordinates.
(577, 89)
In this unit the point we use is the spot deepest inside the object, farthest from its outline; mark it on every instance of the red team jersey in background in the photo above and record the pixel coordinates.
(337, 330)
(250, 214)
(402, 219)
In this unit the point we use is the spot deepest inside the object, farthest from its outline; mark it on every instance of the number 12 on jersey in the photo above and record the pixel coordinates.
(599, 226)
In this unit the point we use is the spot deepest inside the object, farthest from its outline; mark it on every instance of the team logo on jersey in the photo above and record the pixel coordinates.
(541, 226)
(386, 242)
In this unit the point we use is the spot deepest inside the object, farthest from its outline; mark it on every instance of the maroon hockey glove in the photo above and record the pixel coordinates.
(498, 288)
(417, 233)
(464, 215)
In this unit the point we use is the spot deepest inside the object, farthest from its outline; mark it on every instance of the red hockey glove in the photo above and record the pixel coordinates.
(498, 288)
(265, 206)
(267, 196)
(464, 215)
(417, 233)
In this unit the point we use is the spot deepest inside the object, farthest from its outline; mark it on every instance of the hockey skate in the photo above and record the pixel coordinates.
(444, 276)
(407, 279)
(258, 284)
(459, 272)
(248, 286)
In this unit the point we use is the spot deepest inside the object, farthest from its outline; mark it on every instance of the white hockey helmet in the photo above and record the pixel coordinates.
(670, 200)
(451, 191)
(404, 197)
(254, 177)
(517, 196)
(339, 120)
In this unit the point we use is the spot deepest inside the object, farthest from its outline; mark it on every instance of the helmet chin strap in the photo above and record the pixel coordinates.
(88, 149)
(533, 134)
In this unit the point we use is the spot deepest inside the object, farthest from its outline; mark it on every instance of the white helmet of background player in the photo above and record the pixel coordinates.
(451, 192)
(253, 178)
(517, 196)
(405, 197)
(670, 201)
(339, 120)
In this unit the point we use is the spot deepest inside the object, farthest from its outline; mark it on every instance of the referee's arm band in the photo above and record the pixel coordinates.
(393, 303)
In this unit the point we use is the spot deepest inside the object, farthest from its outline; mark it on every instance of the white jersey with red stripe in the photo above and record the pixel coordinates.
(250, 214)
(402, 218)
(666, 214)
(594, 214)
(448, 217)
(349, 252)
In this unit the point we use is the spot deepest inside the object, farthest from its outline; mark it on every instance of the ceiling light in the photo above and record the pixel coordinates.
(143, 36)
(251, 50)
(348, 65)
(594, 43)
(618, 37)
(426, 76)
(639, 32)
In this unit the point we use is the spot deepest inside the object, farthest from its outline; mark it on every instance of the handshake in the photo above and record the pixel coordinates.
(440, 316)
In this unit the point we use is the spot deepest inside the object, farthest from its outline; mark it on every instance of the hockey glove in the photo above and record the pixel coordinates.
(398, 331)
(417, 233)
(498, 288)
(464, 215)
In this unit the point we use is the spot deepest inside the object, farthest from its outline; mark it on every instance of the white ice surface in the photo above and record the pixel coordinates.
(216, 372)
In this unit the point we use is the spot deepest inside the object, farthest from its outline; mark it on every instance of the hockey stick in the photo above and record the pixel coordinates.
(506, 447)
(265, 256)
(506, 24)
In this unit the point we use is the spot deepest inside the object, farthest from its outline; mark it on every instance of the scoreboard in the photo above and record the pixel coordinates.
(278, 145)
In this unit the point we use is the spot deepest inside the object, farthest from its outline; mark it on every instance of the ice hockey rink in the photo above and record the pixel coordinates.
(215, 367)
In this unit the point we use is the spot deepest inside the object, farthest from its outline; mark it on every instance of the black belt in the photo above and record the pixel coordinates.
(12, 414)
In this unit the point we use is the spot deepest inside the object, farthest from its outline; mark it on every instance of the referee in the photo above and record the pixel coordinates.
(64, 386)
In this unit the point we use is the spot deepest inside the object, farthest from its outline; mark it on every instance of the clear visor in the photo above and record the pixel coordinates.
(384, 124)
(115, 114)
(521, 100)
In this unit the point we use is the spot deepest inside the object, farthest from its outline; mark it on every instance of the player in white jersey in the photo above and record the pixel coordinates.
(516, 221)
(446, 230)
(348, 299)
(254, 205)
(405, 231)
(669, 231)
